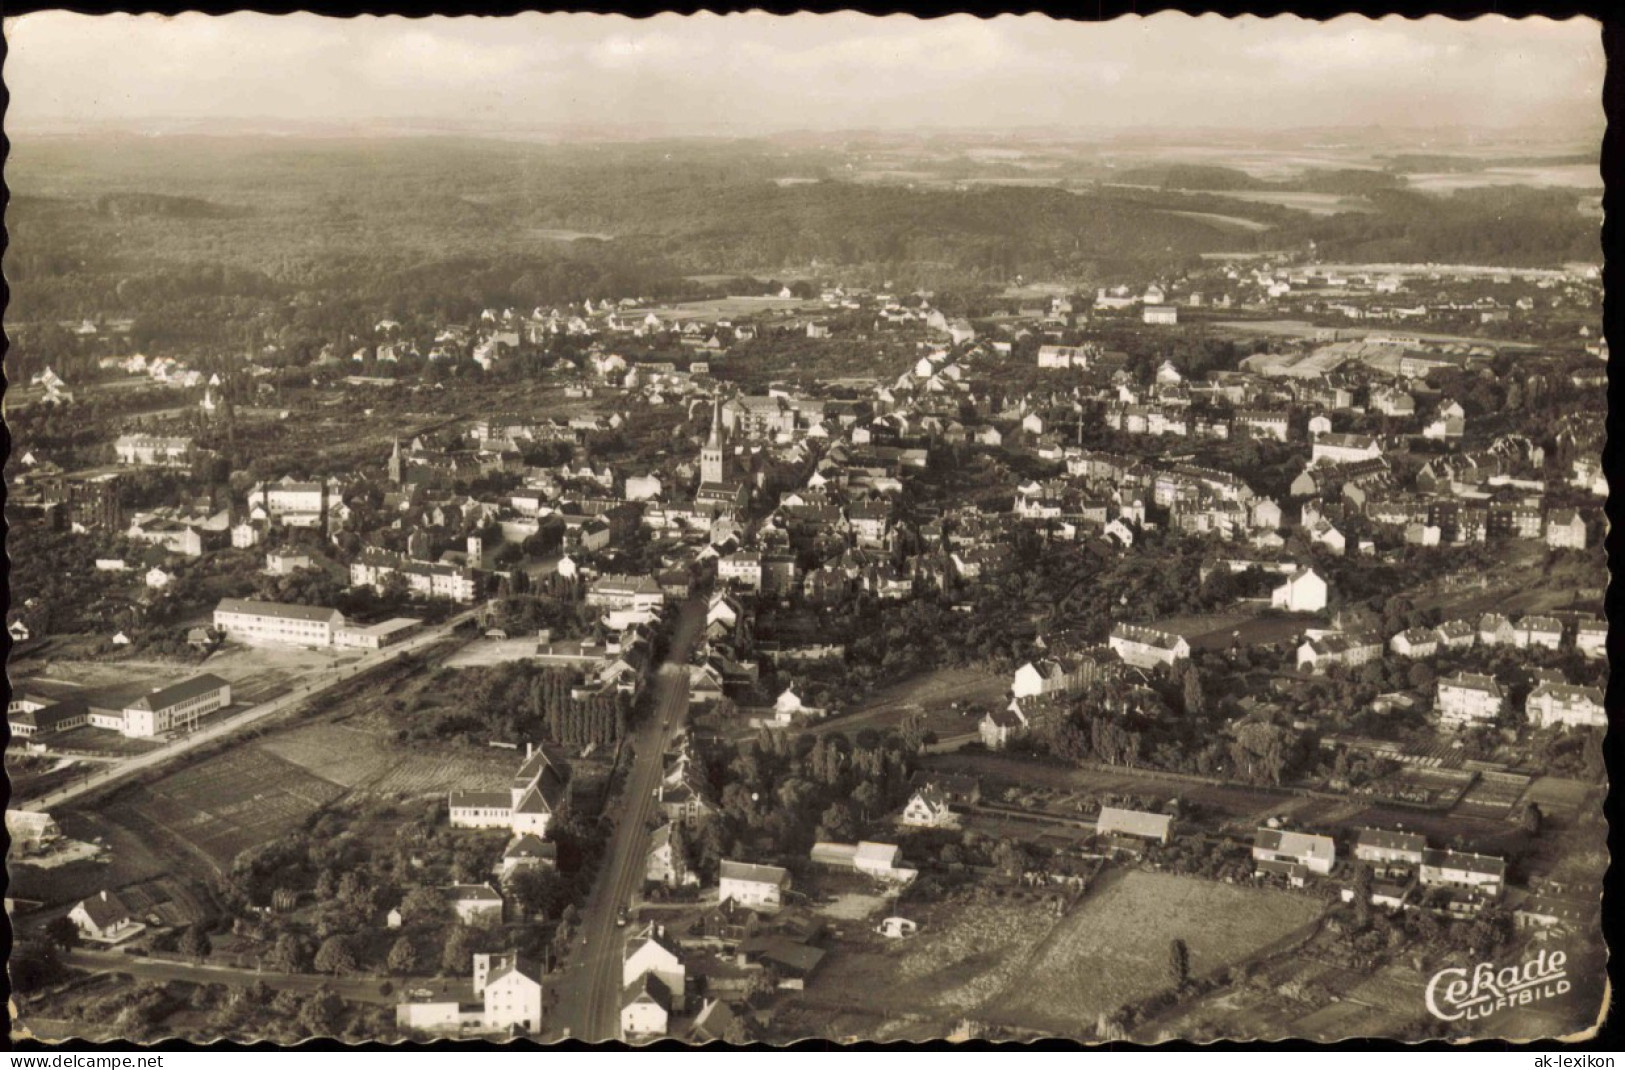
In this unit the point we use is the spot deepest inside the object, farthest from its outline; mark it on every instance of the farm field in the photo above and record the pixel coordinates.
(1114, 946)
(226, 803)
(968, 950)
(975, 955)
(364, 759)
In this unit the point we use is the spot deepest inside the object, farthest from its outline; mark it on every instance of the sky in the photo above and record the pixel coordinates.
(757, 73)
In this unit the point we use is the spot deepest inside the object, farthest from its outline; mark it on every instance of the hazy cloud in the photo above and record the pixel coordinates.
(755, 72)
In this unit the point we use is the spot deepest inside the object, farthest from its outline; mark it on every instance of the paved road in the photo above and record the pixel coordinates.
(590, 988)
(304, 688)
(354, 989)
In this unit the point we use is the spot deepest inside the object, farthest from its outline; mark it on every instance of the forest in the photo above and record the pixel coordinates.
(192, 238)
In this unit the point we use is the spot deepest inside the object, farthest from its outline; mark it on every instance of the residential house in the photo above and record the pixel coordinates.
(1415, 643)
(665, 864)
(1000, 725)
(1534, 631)
(1382, 847)
(1468, 698)
(646, 1007)
(651, 951)
(1465, 871)
(1303, 592)
(104, 918)
(475, 904)
(1146, 647)
(928, 808)
(1337, 648)
(1553, 703)
(1114, 821)
(512, 991)
(1565, 530)
(756, 886)
(1276, 850)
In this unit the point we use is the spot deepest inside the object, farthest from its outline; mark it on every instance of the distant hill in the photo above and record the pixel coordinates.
(161, 205)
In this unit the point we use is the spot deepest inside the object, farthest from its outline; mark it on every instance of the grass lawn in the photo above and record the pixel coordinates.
(1114, 947)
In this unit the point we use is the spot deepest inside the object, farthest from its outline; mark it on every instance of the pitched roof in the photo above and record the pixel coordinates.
(165, 697)
(750, 871)
(1133, 822)
(105, 909)
(1383, 839)
(1296, 844)
(647, 989)
(279, 610)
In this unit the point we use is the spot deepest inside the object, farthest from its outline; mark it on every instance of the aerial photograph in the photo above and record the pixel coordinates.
(746, 529)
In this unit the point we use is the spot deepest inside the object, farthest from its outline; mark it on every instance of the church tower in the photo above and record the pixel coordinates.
(713, 459)
(396, 465)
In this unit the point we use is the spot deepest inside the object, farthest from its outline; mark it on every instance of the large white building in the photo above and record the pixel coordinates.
(165, 708)
(256, 623)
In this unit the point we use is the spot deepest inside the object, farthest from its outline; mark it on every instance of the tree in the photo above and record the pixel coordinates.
(403, 957)
(320, 1014)
(290, 954)
(336, 956)
(457, 951)
(194, 943)
(62, 932)
(1195, 698)
(1179, 963)
(1530, 818)
(1362, 895)
(423, 906)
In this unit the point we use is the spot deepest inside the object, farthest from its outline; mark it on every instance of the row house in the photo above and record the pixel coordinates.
(1146, 647)
(1320, 653)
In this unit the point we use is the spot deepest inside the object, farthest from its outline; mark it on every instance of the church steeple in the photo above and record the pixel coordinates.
(396, 471)
(713, 458)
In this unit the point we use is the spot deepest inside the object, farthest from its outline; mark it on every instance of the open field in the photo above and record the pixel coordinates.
(975, 955)
(968, 950)
(363, 759)
(1215, 631)
(227, 803)
(1234, 222)
(1114, 947)
(483, 652)
(931, 693)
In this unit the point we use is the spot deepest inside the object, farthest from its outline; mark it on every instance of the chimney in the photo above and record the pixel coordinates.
(528, 748)
(104, 895)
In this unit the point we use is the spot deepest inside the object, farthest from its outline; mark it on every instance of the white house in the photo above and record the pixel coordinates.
(1275, 848)
(650, 951)
(512, 992)
(928, 808)
(1303, 592)
(475, 904)
(755, 886)
(1552, 703)
(1468, 698)
(104, 919)
(645, 1009)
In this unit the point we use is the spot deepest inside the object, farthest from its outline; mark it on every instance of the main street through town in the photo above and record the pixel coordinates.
(589, 983)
